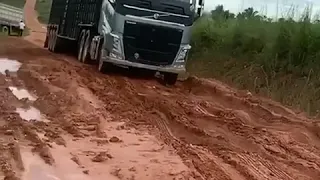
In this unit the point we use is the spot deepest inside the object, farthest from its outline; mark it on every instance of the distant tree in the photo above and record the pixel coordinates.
(249, 13)
(219, 12)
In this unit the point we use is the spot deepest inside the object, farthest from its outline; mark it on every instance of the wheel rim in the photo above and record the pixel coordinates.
(5, 30)
(81, 48)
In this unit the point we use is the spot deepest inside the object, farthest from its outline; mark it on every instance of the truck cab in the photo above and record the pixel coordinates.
(150, 34)
(147, 34)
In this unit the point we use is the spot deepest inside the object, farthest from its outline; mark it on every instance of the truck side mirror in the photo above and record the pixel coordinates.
(200, 9)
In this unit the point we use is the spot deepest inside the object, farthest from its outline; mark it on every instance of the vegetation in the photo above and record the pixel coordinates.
(16, 3)
(43, 8)
(278, 59)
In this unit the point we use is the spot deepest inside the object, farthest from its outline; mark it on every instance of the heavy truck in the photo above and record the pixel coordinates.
(10, 18)
(147, 34)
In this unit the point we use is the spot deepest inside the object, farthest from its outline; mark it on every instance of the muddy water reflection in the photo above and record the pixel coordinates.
(31, 113)
(10, 65)
(64, 169)
(22, 93)
(36, 169)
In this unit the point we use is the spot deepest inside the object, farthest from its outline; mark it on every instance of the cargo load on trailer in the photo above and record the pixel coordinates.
(10, 18)
(148, 34)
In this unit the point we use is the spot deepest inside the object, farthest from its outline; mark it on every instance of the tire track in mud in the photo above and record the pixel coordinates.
(15, 132)
(164, 113)
(239, 128)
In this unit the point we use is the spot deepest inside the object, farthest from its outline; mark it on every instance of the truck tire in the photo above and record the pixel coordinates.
(102, 66)
(170, 78)
(85, 52)
(80, 45)
(5, 30)
(50, 40)
(54, 40)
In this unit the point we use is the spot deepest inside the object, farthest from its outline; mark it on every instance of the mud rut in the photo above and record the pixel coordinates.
(104, 126)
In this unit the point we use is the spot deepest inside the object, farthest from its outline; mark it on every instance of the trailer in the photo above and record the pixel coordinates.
(147, 34)
(10, 18)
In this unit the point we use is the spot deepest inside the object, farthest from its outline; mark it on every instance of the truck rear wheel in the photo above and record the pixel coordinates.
(50, 40)
(170, 78)
(5, 30)
(54, 41)
(80, 45)
(87, 41)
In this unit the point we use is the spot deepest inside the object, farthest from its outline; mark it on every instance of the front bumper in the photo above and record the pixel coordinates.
(168, 69)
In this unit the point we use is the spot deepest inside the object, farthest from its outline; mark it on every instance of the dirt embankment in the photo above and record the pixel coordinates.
(122, 126)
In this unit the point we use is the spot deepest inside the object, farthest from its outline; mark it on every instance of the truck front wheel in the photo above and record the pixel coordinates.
(102, 65)
(170, 78)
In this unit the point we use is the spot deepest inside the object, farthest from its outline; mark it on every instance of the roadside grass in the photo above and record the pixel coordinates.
(43, 8)
(16, 3)
(275, 59)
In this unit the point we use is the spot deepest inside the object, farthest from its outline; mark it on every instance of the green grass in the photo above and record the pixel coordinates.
(43, 8)
(276, 59)
(16, 3)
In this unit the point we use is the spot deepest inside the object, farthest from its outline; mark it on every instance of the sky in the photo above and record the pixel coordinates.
(266, 7)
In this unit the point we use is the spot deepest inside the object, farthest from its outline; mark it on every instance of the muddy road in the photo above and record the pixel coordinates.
(61, 119)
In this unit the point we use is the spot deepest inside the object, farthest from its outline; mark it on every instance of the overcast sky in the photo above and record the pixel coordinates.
(267, 7)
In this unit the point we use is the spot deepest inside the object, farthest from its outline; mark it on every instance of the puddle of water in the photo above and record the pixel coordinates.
(31, 113)
(8, 64)
(22, 93)
(36, 169)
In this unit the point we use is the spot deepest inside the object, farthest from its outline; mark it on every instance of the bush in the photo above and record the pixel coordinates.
(277, 59)
(16, 3)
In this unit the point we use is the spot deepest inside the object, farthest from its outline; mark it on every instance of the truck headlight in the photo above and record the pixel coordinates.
(116, 43)
(116, 47)
(182, 55)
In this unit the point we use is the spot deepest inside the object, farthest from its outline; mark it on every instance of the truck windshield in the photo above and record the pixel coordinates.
(177, 11)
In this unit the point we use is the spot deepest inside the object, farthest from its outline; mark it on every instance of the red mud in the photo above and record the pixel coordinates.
(117, 126)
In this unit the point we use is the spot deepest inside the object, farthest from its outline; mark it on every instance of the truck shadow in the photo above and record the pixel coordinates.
(132, 73)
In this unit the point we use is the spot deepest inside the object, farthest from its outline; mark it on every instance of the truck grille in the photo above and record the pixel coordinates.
(149, 44)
